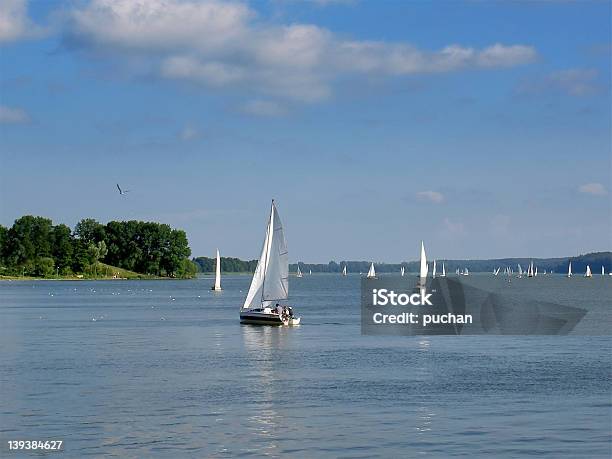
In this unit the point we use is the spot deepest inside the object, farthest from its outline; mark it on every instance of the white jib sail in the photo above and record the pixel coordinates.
(588, 271)
(569, 270)
(371, 272)
(402, 271)
(443, 270)
(424, 268)
(218, 273)
(270, 280)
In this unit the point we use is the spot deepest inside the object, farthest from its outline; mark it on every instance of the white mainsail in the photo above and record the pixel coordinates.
(217, 286)
(371, 272)
(569, 270)
(588, 272)
(433, 271)
(310, 272)
(270, 281)
(299, 273)
(520, 270)
(603, 271)
(402, 271)
(424, 269)
(344, 271)
(443, 270)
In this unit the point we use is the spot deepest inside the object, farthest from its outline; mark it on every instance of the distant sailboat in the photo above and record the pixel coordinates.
(569, 270)
(588, 272)
(496, 271)
(310, 272)
(520, 272)
(603, 271)
(344, 271)
(299, 273)
(433, 271)
(402, 271)
(217, 286)
(530, 270)
(424, 269)
(457, 271)
(270, 283)
(466, 272)
(371, 272)
(443, 271)
(535, 274)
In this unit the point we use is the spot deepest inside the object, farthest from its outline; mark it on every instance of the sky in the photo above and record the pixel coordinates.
(482, 128)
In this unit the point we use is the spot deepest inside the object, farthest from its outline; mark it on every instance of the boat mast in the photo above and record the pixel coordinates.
(268, 243)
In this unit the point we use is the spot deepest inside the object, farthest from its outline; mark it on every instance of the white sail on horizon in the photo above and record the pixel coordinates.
(433, 271)
(372, 271)
(344, 271)
(443, 270)
(402, 271)
(217, 285)
(588, 272)
(569, 270)
(299, 273)
(270, 281)
(424, 269)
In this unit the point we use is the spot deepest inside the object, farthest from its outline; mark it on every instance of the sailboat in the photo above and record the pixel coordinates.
(371, 272)
(299, 273)
(496, 271)
(423, 269)
(402, 271)
(217, 286)
(588, 272)
(535, 274)
(530, 270)
(344, 271)
(433, 271)
(466, 272)
(603, 271)
(270, 283)
(443, 271)
(569, 270)
(310, 272)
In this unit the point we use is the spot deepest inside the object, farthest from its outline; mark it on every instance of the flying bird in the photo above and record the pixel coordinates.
(122, 191)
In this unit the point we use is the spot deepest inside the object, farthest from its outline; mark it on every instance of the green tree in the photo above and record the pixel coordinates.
(96, 253)
(90, 231)
(44, 267)
(63, 247)
(28, 239)
(3, 239)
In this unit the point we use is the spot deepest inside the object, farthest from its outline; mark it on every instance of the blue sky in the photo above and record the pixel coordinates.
(481, 127)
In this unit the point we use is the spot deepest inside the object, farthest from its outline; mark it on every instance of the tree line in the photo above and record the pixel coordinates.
(228, 265)
(34, 246)
(558, 265)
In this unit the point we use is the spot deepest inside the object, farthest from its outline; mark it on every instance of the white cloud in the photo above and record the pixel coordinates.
(453, 228)
(14, 21)
(432, 196)
(13, 115)
(226, 44)
(188, 133)
(260, 107)
(596, 189)
(574, 82)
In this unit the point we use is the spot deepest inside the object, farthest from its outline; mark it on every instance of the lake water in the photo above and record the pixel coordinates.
(164, 369)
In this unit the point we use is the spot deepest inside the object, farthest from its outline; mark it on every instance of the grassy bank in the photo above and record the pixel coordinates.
(100, 271)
